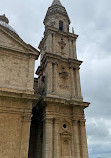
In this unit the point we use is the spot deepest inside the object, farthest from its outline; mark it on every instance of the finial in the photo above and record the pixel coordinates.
(4, 18)
(56, 2)
(73, 30)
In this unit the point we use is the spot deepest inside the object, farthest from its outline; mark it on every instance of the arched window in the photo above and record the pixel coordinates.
(61, 25)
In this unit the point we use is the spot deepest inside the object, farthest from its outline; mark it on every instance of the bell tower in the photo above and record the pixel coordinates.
(58, 52)
(62, 129)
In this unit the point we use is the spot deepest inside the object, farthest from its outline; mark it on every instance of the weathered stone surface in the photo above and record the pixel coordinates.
(17, 61)
(61, 105)
(57, 115)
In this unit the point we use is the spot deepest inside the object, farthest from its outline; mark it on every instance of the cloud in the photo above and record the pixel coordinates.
(99, 134)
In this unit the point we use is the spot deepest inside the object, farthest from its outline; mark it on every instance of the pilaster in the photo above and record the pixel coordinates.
(50, 42)
(76, 138)
(70, 49)
(56, 139)
(55, 77)
(74, 50)
(72, 82)
(25, 132)
(83, 139)
(47, 138)
(78, 82)
(49, 77)
(30, 79)
(54, 43)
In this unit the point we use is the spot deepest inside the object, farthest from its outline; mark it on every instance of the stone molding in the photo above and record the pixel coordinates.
(18, 96)
(26, 118)
(12, 110)
(49, 57)
(65, 102)
(79, 121)
(47, 120)
(50, 30)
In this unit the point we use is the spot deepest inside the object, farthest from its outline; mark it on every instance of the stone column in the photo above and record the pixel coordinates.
(83, 139)
(70, 48)
(54, 43)
(78, 82)
(25, 133)
(74, 50)
(47, 138)
(72, 83)
(30, 80)
(76, 138)
(50, 42)
(49, 77)
(55, 77)
(56, 139)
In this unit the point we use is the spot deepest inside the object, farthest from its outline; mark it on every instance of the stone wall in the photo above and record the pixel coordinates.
(15, 119)
(17, 63)
(14, 71)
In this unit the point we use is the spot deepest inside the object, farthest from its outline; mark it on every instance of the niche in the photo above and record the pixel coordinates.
(66, 145)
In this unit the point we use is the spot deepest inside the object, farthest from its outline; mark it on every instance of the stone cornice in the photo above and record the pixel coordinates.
(24, 112)
(18, 96)
(58, 57)
(49, 29)
(65, 102)
(53, 29)
(54, 58)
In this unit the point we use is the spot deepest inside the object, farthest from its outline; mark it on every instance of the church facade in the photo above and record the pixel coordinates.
(41, 117)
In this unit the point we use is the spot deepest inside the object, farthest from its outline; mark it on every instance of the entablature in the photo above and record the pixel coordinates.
(18, 96)
(51, 30)
(56, 59)
(65, 102)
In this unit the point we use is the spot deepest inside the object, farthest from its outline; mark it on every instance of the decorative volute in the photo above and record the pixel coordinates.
(57, 16)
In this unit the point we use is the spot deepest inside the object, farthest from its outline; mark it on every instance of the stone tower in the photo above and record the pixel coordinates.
(58, 123)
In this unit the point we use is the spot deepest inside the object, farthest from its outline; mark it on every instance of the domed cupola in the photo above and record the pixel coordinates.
(57, 16)
(4, 22)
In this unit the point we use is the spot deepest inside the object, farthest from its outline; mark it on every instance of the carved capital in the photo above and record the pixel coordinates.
(48, 120)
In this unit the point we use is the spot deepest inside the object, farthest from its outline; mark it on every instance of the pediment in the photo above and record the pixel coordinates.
(11, 41)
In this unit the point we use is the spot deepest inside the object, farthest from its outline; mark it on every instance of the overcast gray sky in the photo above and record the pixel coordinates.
(92, 22)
